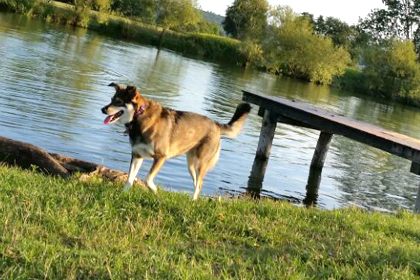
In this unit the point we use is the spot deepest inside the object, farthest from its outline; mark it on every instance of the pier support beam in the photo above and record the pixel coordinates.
(321, 150)
(265, 142)
(312, 187)
(417, 205)
(315, 171)
(415, 168)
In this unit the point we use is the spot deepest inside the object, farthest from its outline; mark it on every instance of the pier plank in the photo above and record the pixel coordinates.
(305, 115)
(317, 118)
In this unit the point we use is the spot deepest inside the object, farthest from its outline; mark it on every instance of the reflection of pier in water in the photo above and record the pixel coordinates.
(276, 109)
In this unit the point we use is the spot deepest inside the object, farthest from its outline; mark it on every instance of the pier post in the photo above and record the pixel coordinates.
(312, 187)
(321, 150)
(415, 168)
(315, 171)
(417, 206)
(262, 155)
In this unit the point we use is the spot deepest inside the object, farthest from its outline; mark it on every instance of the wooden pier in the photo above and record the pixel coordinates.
(277, 109)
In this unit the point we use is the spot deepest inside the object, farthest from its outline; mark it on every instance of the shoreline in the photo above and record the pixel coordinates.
(198, 45)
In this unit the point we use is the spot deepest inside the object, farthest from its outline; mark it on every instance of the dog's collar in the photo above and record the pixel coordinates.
(139, 112)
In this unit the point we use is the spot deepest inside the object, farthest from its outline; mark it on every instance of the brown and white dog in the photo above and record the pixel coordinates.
(160, 133)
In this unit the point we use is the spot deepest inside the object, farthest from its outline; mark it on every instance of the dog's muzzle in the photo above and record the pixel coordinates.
(104, 109)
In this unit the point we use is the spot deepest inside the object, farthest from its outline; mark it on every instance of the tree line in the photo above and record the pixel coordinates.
(379, 55)
(178, 15)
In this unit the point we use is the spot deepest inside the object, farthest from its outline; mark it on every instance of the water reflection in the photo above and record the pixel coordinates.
(53, 82)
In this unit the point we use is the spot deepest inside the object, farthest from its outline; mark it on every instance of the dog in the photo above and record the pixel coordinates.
(161, 133)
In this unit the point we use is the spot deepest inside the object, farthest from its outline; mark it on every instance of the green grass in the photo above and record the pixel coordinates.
(54, 228)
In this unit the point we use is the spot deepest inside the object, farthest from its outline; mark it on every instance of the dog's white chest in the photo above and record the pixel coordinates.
(143, 150)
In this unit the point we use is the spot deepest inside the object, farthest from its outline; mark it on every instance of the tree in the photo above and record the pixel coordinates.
(204, 26)
(400, 20)
(177, 14)
(340, 32)
(293, 48)
(393, 71)
(144, 9)
(246, 19)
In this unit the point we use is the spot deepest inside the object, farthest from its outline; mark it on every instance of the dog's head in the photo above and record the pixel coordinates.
(125, 104)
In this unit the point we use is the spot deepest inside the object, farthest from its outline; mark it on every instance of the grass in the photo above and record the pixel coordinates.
(55, 228)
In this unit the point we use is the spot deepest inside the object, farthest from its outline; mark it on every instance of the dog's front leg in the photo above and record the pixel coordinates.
(157, 164)
(135, 165)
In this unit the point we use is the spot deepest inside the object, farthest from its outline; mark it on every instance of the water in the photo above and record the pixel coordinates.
(53, 82)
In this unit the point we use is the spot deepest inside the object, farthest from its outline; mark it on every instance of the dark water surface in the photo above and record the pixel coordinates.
(53, 82)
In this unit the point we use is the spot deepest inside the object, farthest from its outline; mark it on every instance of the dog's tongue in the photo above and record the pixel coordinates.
(108, 119)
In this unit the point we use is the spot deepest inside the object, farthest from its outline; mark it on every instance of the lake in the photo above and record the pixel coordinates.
(53, 83)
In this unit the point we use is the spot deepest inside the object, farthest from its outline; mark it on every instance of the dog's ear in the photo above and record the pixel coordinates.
(117, 86)
(131, 91)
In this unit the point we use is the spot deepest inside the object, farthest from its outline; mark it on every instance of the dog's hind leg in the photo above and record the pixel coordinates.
(191, 162)
(157, 164)
(208, 154)
(134, 169)
(202, 170)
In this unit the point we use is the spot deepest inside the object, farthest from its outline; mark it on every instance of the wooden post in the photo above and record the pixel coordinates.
(321, 150)
(417, 206)
(415, 168)
(318, 160)
(262, 155)
(312, 187)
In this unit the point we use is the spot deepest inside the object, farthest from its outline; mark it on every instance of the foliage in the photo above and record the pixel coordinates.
(253, 52)
(214, 18)
(392, 70)
(203, 26)
(400, 20)
(293, 48)
(143, 9)
(21, 6)
(340, 32)
(353, 80)
(101, 5)
(202, 45)
(177, 13)
(65, 229)
(246, 19)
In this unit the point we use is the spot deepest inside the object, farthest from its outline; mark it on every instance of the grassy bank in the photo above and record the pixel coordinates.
(54, 228)
(197, 44)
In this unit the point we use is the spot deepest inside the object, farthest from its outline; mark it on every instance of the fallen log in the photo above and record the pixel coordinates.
(26, 155)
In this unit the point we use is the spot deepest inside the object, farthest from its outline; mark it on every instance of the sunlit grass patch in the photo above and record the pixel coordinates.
(58, 228)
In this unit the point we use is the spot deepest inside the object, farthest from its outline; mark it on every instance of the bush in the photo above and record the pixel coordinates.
(353, 80)
(21, 6)
(292, 48)
(252, 52)
(392, 70)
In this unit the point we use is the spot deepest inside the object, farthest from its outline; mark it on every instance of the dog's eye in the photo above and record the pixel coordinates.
(118, 102)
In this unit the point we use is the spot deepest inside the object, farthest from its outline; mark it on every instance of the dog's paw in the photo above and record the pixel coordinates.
(152, 187)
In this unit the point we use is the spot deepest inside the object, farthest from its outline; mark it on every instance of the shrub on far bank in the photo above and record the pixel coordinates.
(353, 80)
(20, 6)
(293, 49)
(392, 70)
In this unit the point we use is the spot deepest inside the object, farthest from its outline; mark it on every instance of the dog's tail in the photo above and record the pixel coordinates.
(235, 125)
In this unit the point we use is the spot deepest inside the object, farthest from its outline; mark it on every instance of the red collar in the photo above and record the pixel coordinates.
(139, 112)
